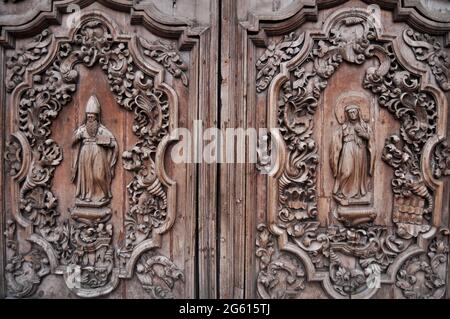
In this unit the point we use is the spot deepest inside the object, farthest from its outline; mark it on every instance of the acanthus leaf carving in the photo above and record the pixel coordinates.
(83, 242)
(268, 64)
(13, 156)
(22, 58)
(429, 50)
(165, 53)
(372, 248)
(424, 276)
(158, 275)
(23, 271)
(281, 276)
(441, 160)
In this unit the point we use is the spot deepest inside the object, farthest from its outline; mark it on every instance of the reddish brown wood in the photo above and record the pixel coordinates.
(230, 64)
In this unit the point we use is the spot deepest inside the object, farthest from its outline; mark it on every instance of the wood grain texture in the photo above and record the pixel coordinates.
(233, 231)
(176, 249)
(262, 31)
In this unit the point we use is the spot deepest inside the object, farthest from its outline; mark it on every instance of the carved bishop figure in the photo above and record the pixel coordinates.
(94, 159)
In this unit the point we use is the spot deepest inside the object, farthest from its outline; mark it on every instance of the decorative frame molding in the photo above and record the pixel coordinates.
(257, 32)
(184, 36)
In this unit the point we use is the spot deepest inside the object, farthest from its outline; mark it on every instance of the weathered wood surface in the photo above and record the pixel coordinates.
(298, 253)
(227, 230)
(150, 248)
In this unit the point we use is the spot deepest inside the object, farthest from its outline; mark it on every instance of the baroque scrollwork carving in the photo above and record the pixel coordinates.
(268, 64)
(83, 244)
(22, 58)
(410, 191)
(429, 50)
(441, 160)
(158, 275)
(297, 185)
(165, 53)
(147, 196)
(13, 156)
(93, 254)
(281, 276)
(424, 276)
(353, 253)
(23, 271)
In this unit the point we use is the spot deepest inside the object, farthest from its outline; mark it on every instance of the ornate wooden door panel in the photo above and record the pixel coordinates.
(93, 204)
(351, 201)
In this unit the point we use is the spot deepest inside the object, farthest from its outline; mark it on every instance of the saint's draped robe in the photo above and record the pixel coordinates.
(352, 160)
(93, 166)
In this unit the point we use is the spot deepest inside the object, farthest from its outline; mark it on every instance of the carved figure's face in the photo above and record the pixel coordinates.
(91, 117)
(353, 114)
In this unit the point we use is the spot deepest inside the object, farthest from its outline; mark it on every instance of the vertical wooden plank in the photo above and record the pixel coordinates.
(252, 183)
(240, 110)
(2, 178)
(192, 170)
(446, 203)
(232, 175)
(207, 179)
(226, 172)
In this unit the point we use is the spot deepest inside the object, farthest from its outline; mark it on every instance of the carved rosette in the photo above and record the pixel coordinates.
(85, 249)
(294, 229)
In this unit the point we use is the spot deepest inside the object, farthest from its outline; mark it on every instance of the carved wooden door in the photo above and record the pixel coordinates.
(348, 200)
(92, 95)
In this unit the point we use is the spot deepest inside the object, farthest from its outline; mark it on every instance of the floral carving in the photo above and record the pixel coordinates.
(22, 58)
(297, 185)
(410, 191)
(13, 156)
(37, 202)
(429, 50)
(430, 266)
(371, 248)
(23, 272)
(80, 242)
(147, 197)
(346, 280)
(158, 275)
(166, 54)
(268, 64)
(441, 160)
(93, 253)
(280, 277)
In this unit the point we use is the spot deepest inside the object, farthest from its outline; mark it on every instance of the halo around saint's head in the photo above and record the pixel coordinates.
(352, 99)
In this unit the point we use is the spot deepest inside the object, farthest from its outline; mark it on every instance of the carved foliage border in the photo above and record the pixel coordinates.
(31, 150)
(400, 92)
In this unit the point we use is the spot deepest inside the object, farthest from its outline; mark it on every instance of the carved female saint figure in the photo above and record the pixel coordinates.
(352, 159)
(94, 160)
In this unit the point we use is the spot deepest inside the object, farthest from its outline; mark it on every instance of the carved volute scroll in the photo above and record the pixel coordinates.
(327, 207)
(92, 244)
(349, 197)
